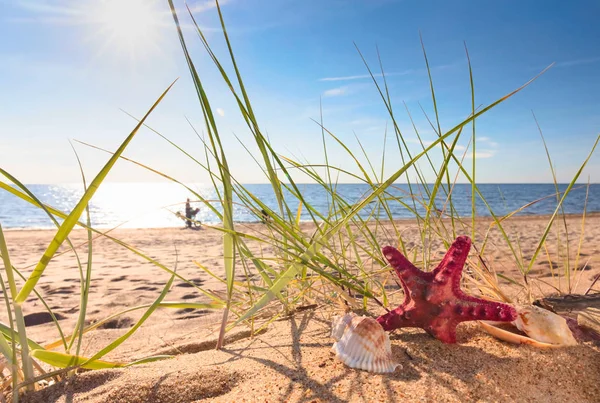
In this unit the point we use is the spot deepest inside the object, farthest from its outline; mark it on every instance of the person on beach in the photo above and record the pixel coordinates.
(264, 216)
(189, 213)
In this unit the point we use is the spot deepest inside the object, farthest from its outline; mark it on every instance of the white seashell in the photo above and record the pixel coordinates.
(513, 337)
(544, 328)
(362, 343)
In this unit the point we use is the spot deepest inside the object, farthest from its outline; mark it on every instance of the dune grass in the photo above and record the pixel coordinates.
(336, 262)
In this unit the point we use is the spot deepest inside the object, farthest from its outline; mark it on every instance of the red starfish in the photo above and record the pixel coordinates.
(434, 301)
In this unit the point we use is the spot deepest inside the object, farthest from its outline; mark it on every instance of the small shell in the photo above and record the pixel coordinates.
(544, 328)
(513, 337)
(362, 343)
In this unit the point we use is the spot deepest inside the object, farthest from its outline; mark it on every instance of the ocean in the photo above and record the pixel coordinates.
(152, 205)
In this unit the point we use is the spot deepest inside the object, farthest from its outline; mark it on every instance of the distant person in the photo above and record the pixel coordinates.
(264, 216)
(190, 216)
(189, 213)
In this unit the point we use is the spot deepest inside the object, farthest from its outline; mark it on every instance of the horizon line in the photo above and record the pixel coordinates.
(314, 183)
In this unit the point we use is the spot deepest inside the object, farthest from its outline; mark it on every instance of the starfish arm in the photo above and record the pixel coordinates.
(451, 267)
(470, 308)
(395, 319)
(407, 297)
(403, 267)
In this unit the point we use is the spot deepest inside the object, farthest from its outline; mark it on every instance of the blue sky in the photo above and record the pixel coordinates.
(67, 69)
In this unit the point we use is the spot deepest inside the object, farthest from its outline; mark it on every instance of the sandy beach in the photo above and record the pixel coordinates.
(291, 359)
(387, 201)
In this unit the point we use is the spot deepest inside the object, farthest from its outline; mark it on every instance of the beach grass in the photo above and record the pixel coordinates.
(326, 267)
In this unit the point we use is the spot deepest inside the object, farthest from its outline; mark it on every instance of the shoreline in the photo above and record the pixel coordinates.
(401, 220)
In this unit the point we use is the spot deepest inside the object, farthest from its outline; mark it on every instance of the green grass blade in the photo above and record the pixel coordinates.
(6, 351)
(27, 366)
(135, 327)
(552, 170)
(5, 330)
(9, 332)
(62, 360)
(556, 211)
(440, 177)
(149, 359)
(85, 279)
(225, 177)
(474, 145)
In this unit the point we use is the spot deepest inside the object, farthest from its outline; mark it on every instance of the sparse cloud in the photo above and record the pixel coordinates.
(390, 74)
(203, 6)
(577, 62)
(488, 152)
(69, 12)
(363, 76)
(42, 20)
(369, 125)
(335, 92)
(487, 140)
(373, 129)
(482, 154)
(220, 111)
(45, 8)
(206, 5)
(417, 141)
(367, 121)
(571, 63)
(60, 13)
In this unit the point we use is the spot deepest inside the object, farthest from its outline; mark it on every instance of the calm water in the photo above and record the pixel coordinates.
(151, 205)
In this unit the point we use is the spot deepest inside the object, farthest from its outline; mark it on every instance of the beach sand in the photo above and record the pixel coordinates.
(291, 360)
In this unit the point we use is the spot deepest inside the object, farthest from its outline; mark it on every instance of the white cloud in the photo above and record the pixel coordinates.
(367, 121)
(482, 154)
(417, 141)
(220, 112)
(60, 13)
(203, 6)
(335, 92)
(44, 8)
(459, 148)
(577, 62)
(71, 12)
(375, 129)
(390, 74)
(488, 140)
(363, 76)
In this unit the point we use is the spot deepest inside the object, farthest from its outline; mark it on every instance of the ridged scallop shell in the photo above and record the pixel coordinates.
(362, 343)
(544, 328)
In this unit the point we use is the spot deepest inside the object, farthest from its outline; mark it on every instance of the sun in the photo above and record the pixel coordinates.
(129, 27)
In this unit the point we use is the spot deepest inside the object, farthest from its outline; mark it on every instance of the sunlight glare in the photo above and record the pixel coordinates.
(129, 26)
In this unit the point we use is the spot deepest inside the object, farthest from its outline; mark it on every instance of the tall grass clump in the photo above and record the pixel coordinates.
(329, 262)
(334, 258)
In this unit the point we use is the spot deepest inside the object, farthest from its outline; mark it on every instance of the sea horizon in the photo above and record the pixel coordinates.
(310, 183)
(155, 204)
